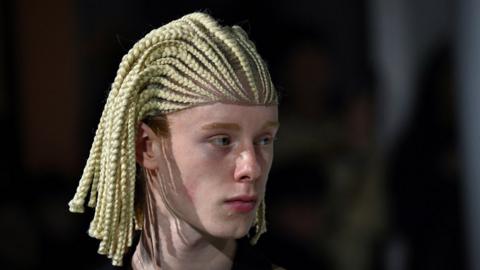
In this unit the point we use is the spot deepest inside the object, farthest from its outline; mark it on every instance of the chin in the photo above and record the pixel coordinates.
(231, 231)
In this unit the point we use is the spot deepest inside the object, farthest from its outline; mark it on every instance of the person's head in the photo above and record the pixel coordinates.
(193, 105)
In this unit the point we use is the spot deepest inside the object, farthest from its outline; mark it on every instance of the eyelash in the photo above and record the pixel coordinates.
(220, 141)
(270, 141)
(224, 141)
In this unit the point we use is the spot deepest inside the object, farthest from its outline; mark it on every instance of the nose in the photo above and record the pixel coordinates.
(247, 167)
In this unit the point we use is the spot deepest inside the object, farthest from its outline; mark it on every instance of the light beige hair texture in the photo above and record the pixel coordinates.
(187, 62)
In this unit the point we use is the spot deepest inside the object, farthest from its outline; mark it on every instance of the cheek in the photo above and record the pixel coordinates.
(202, 170)
(190, 188)
(265, 158)
(189, 179)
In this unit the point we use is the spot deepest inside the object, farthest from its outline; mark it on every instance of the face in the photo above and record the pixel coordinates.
(222, 154)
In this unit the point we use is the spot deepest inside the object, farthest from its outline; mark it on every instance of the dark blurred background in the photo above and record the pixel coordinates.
(376, 161)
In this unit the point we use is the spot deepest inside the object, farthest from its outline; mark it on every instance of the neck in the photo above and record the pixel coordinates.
(168, 242)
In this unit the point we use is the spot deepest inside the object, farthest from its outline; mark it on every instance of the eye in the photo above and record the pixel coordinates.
(220, 141)
(265, 140)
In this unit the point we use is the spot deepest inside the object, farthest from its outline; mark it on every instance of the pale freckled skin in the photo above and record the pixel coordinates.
(209, 171)
(190, 192)
(210, 166)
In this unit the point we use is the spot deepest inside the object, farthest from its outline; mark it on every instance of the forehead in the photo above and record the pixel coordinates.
(243, 115)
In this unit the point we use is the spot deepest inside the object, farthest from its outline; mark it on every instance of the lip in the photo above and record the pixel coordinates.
(242, 203)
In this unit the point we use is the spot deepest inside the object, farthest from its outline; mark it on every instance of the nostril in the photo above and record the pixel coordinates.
(246, 178)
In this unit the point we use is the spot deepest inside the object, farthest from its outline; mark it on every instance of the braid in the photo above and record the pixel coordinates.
(220, 60)
(249, 47)
(260, 223)
(187, 62)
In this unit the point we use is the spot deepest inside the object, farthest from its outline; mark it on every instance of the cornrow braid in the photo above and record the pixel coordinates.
(185, 63)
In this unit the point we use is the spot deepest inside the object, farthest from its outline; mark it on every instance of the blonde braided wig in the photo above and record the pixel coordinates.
(187, 62)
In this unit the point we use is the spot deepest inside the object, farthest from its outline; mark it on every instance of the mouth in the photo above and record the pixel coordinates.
(242, 203)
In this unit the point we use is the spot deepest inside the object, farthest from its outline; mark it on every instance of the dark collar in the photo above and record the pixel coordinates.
(249, 258)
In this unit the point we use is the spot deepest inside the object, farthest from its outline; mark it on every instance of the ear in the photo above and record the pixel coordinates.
(146, 147)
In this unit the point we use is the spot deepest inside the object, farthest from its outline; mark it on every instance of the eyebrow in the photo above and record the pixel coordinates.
(273, 124)
(234, 126)
(221, 126)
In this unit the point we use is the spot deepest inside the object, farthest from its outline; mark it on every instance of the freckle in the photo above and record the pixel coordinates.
(189, 192)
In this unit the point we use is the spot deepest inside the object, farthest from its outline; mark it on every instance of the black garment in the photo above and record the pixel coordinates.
(249, 258)
(246, 258)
